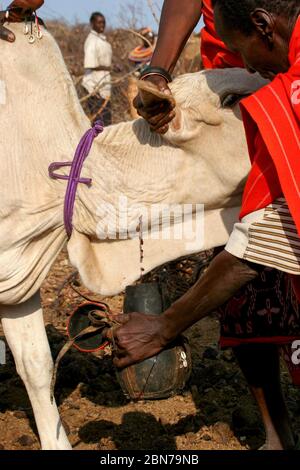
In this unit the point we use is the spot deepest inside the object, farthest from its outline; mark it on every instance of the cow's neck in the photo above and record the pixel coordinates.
(48, 123)
(127, 161)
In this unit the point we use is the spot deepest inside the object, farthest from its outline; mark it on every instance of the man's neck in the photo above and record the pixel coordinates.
(97, 34)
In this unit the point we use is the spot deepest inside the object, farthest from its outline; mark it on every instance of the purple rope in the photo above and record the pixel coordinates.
(74, 178)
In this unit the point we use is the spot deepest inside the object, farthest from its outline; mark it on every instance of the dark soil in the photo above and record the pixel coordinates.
(216, 411)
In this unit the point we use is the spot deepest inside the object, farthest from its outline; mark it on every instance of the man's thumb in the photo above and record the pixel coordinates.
(121, 319)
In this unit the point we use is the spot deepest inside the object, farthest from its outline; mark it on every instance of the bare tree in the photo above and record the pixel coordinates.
(155, 10)
(132, 16)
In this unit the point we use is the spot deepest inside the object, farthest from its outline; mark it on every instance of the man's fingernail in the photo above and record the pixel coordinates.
(11, 37)
(167, 91)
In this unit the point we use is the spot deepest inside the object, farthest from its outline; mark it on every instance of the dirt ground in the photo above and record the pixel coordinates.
(216, 410)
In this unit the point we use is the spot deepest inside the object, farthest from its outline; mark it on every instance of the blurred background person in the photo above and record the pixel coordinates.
(140, 57)
(97, 67)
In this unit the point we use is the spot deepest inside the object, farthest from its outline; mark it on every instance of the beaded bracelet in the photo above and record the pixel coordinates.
(156, 71)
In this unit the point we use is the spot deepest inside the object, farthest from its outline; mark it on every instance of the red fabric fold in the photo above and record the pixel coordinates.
(215, 54)
(272, 123)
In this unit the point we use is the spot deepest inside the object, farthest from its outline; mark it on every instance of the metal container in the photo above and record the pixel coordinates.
(78, 321)
(163, 375)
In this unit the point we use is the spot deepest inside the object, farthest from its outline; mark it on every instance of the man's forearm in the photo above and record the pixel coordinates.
(224, 277)
(178, 20)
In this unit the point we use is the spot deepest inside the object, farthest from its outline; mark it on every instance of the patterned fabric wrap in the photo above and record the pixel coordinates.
(266, 310)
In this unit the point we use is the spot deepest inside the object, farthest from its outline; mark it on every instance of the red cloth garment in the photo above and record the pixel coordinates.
(240, 321)
(215, 54)
(272, 123)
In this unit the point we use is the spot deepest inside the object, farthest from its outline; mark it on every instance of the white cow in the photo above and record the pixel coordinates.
(202, 159)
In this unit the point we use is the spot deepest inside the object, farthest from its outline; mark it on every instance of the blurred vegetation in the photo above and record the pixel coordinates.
(71, 39)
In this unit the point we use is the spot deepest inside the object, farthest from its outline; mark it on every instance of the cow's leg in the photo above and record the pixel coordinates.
(25, 332)
(261, 367)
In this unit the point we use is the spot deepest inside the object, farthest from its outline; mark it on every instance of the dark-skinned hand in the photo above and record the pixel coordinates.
(156, 110)
(18, 10)
(5, 33)
(139, 337)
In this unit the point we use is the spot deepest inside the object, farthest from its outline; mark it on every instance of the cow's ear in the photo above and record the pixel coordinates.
(183, 128)
(188, 122)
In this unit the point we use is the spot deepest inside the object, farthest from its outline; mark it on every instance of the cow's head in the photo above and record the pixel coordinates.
(207, 134)
(207, 102)
(38, 103)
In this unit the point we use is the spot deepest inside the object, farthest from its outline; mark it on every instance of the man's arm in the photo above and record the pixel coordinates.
(18, 9)
(178, 20)
(142, 336)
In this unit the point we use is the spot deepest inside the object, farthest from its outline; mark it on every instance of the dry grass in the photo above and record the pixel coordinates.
(71, 41)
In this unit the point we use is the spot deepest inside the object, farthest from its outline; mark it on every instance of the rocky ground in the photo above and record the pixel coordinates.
(216, 410)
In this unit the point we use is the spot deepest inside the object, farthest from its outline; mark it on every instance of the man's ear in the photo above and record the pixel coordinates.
(264, 24)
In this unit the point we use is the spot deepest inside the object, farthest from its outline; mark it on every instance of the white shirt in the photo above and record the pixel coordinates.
(97, 52)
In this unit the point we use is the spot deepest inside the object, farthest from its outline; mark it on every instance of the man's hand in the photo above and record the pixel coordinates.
(157, 111)
(18, 10)
(139, 337)
(142, 336)
(5, 33)
(181, 17)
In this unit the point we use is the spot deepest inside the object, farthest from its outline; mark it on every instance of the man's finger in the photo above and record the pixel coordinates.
(162, 130)
(107, 333)
(161, 119)
(163, 122)
(154, 115)
(120, 353)
(137, 103)
(156, 107)
(111, 333)
(122, 362)
(159, 113)
(154, 120)
(6, 34)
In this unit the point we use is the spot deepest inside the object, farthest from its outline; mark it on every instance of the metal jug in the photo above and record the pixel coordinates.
(163, 375)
